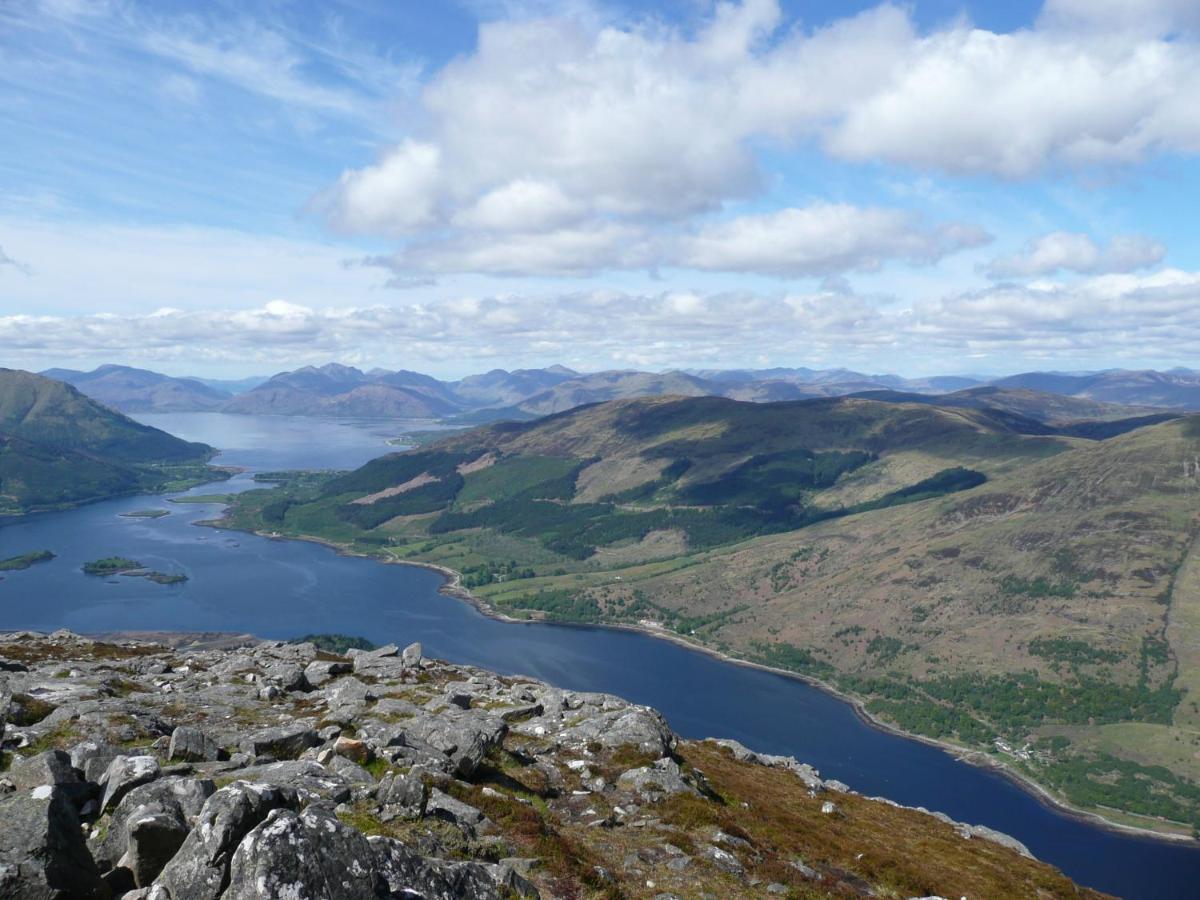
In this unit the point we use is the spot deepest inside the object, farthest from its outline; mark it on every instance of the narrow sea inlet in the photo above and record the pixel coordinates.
(243, 583)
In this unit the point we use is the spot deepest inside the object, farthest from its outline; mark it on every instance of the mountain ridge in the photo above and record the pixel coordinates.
(338, 390)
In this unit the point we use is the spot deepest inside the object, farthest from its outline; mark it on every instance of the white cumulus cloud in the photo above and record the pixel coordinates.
(823, 239)
(584, 128)
(1111, 318)
(1063, 250)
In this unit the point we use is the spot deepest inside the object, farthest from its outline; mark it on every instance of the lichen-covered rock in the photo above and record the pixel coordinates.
(301, 855)
(310, 780)
(200, 870)
(347, 699)
(42, 850)
(637, 726)
(123, 774)
(287, 676)
(384, 662)
(656, 781)
(465, 737)
(149, 825)
(402, 796)
(408, 875)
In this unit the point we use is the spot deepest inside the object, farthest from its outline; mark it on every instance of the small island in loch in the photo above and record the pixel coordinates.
(120, 565)
(145, 514)
(111, 565)
(25, 560)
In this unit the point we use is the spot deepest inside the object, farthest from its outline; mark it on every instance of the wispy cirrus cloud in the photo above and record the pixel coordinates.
(6, 260)
(300, 69)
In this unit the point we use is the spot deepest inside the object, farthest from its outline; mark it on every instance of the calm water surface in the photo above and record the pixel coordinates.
(283, 589)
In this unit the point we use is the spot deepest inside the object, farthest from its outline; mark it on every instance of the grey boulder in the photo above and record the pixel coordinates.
(308, 854)
(656, 781)
(200, 869)
(123, 774)
(92, 758)
(51, 767)
(149, 825)
(319, 672)
(283, 742)
(408, 875)
(402, 796)
(465, 739)
(412, 654)
(190, 744)
(42, 851)
(309, 779)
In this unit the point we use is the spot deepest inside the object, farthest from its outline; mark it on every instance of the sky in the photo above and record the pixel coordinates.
(935, 187)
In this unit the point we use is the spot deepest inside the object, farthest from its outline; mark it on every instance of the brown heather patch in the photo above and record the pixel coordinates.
(33, 652)
(902, 851)
(867, 847)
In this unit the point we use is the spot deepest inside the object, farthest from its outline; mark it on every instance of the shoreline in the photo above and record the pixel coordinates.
(452, 587)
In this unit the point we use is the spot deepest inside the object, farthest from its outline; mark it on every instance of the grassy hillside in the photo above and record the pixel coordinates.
(54, 414)
(58, 447)
(1056, 410)
(1025, 595)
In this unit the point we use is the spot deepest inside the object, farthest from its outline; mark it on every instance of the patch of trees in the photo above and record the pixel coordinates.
(558, 605)
(1072, 651)
(1105, 780)
(334, 643)
(789, 656)
(1022, 701)
(775, 479)
(947, 481)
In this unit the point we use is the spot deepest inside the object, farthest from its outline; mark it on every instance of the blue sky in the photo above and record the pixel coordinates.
(227, 188)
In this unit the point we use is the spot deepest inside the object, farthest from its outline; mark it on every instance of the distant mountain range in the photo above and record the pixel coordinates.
(139, 390)
(337, 390)
(59, 447)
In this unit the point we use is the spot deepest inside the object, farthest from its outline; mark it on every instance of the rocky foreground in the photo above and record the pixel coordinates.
(141, 770)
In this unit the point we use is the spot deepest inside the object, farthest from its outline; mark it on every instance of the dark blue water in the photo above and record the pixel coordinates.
(283, 589)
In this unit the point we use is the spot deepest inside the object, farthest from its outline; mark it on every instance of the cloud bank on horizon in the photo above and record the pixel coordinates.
(600, 184)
